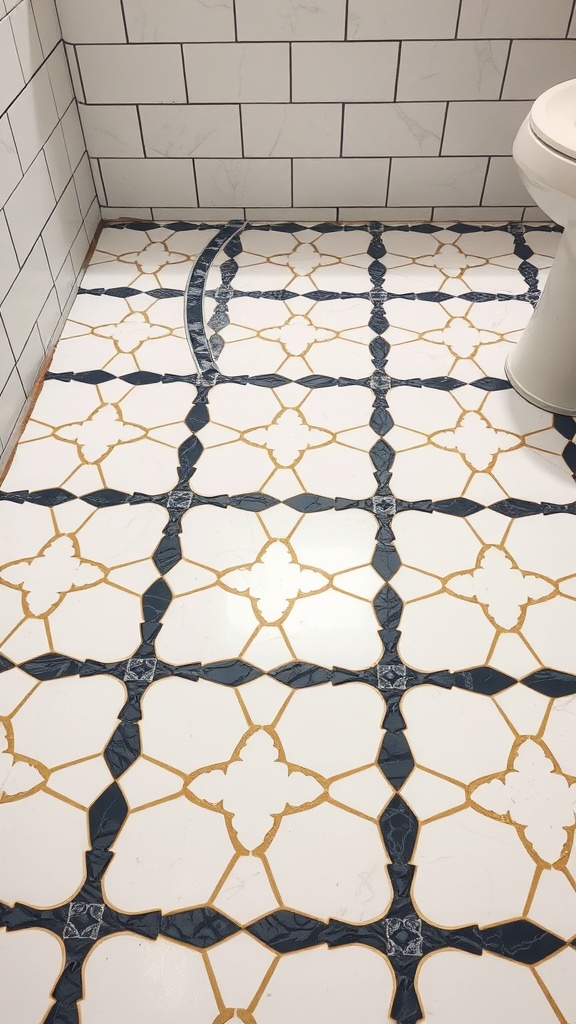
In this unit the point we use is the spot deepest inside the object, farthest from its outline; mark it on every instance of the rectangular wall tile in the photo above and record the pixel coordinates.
(483, 128)
(197, 214)
(48, 318)
(409, 214)
(179, 21)
(243, 182)
(199, 130)
(403, 19)
(30, 206)
(481, 214)
(291, 19)
(58, 162)
(350, 182)
(60, 80)
(393, 129)
(30, 359)
(111, 131)
(47, 23)
(537, 64)
(238, 72)
(123, 212)
(33, 117)
(442, 181)
(73, 136)
(452, 70)
(62, 228)
(132, 74)
(503, 184)
(84, 187)
(301, 213)
(347, 72)
(132, 182)
(292, 129)
(26, 38)
(26, 298)
(11, 401)
(7, 361)
(91, 21)
(514, 18)
(8, 261)
(11, 79)
(10, 170)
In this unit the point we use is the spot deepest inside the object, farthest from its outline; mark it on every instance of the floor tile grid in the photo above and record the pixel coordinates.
(412, 937)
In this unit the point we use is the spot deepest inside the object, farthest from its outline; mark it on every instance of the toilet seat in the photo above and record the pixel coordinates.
(553, 118)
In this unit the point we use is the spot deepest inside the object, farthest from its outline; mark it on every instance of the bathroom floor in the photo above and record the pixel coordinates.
(287, 633)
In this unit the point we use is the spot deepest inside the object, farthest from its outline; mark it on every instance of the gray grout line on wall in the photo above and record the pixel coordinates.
(343, 115)
(241, 122)
(346, 18)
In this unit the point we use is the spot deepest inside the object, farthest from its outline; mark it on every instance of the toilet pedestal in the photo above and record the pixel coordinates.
(542, 367)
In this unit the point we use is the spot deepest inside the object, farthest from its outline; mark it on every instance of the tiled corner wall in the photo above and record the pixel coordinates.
(48, 207)
(335, 108)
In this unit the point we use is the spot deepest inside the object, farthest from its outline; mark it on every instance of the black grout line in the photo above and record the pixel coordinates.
(241, 130)
(505, 70)
(317, 103)
(69, 50)
(396, 156)
(123, 12)
(457, 26)
(101, 177)
(570, 19)
(196, 183)
(343, 115)
(184, 73)
(235, 21)
(397, 76)
(346, 20)
(388, 182)
(290, 71)
(321, 42)
(292, 181)
(78, 65)
(488, 164)
(443, 130)
(139, 116)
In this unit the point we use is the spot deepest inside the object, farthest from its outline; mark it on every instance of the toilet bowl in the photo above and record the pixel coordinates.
(542, 367)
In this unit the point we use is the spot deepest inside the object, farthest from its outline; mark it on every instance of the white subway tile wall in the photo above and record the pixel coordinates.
(359, 108)
(48, 207)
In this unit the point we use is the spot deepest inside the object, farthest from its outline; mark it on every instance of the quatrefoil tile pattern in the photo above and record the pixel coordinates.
(287, 680)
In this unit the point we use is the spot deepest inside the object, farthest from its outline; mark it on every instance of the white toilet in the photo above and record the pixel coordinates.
(542, 367)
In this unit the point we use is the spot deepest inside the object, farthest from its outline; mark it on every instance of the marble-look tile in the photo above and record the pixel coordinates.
(238, 978)
(255, 779)
(72, 578)
(486, 590)
(111, 435)
(302, 595)
(478, 445)
(393, 129)
(452, 69)
(505, 821)
(287, 441)
(49, 779)
(291, 19)
(457, 338)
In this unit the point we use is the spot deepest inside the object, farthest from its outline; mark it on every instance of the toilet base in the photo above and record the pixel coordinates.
(542, 367)
(533, 399)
